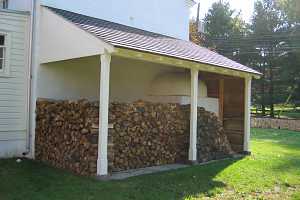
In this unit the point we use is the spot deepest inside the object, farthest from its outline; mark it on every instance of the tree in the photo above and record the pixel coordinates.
(270, 44)
(219, 23)
(291, 57)
(195, 36)
(266, 29)
(277, 39)
(223, 27)
(292, 9)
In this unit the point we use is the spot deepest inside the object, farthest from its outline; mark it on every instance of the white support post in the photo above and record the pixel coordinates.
(193, 120)
(102, 162)
(247, 117)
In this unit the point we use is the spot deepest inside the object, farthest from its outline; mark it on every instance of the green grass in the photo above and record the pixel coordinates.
(291, 114)
(271, 172)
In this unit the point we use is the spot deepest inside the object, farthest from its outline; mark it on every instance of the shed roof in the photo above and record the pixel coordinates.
(133, 38)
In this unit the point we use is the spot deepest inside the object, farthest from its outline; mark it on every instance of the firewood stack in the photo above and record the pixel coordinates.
(212, 143)
(147, 134)
(67, 135)
(143, 134)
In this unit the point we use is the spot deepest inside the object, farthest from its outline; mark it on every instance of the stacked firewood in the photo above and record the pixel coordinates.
(67, 135)
(212, 141)
(147, 134)
(141, 134)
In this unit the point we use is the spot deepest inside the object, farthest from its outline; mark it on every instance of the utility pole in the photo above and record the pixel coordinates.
(198, 14)
(198, 19)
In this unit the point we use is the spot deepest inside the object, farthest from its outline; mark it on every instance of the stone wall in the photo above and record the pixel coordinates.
(142, 134)
(288, 124)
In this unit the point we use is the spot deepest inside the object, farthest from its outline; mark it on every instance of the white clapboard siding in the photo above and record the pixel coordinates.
(14, 87)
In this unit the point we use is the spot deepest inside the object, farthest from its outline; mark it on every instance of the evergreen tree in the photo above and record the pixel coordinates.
(266, 31)
(270, 44)
(223, 28)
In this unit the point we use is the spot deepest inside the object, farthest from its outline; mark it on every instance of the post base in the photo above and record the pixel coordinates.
(103, 178)
(102, 167)
(247, 153)
(193, 162)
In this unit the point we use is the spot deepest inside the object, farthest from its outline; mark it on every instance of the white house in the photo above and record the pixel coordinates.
(14, 82)
(112, 51)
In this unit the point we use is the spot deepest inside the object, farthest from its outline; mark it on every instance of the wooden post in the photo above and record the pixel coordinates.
(247, 117)
(221, 100)
(193, 120)
(102, 162)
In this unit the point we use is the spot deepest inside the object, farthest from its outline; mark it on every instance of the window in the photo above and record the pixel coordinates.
(5, 4)
(2, 52)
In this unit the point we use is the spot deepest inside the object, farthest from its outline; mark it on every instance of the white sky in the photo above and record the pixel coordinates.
(245, 6)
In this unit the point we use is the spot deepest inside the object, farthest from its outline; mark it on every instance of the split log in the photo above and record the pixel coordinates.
(65, 137)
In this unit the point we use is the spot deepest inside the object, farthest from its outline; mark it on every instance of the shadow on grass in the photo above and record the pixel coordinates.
(287, 166)
(36, 181)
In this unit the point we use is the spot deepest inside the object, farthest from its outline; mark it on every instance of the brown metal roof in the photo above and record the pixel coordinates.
(132, 38)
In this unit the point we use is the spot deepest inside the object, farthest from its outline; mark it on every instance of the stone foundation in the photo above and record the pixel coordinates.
(142, 135)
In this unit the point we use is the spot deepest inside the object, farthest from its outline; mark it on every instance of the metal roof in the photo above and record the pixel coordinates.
(132, 38)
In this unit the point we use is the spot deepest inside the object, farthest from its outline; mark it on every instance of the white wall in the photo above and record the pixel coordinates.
(130, 81)
(79, 78)
(61, 40)
(74, 79)
(14, 147)
(175, 84)
(170, 17)
(14, 86)
(176, 88)
(22, 5)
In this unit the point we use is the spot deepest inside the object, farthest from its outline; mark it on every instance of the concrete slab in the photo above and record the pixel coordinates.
(152, 170)
(149, 170)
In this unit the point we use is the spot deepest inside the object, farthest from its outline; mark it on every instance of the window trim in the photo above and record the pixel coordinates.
(5, 4)
(5, 71)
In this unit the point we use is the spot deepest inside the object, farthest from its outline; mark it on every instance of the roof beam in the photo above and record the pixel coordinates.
(167, 60)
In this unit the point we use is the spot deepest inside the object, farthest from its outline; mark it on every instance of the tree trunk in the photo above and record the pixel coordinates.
(263, 106)
(271, 92)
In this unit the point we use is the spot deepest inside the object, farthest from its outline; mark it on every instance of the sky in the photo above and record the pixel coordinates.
(245, 6)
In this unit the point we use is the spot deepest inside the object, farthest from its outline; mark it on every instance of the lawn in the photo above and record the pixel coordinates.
(291, 114)
(271, 172)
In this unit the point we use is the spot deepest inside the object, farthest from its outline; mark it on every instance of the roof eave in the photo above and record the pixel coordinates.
(180, 62)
